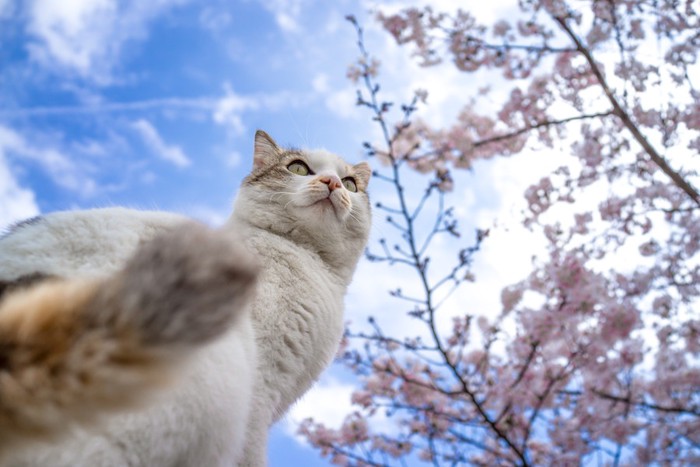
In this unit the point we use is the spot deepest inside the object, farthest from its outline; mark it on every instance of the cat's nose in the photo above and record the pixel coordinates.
(332, 181)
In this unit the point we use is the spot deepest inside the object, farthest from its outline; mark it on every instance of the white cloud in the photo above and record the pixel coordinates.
(215, 19)
(16, 203)
(339, 97)
(6, 8)
(286, 13)
(327, 402)
(67, 31)
(58, 166)
(320, 83)
(170, 104)
(87, 36)
(165, 151)
(342, 102)
(400, 73)
(484, 13)
(286, 22)
(228, 109)
(9, 139)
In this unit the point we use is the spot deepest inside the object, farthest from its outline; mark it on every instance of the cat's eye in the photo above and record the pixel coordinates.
(349, 184)
(299, 167)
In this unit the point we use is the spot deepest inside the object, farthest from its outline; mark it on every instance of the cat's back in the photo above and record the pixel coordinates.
(78, 243)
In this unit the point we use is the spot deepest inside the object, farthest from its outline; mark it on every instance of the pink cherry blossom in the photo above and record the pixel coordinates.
(592, 357)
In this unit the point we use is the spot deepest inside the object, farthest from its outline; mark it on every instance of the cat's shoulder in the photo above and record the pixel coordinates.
(110, 216)
(87, 241)
(90, 219)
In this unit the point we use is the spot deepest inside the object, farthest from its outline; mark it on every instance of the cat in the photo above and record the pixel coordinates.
(72, 350)
(305, 218)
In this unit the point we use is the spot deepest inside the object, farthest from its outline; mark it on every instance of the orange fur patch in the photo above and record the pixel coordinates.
(56, 367)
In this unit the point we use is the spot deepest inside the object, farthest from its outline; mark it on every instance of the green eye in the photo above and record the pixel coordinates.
(299, 168)
(349, 184)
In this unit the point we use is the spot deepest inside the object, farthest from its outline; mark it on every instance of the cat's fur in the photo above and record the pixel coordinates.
(73, 349)
(307, 232)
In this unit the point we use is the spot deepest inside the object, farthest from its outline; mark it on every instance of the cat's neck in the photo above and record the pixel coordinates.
(337, 256)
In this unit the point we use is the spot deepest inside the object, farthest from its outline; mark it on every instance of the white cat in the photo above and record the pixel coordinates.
(303, 215)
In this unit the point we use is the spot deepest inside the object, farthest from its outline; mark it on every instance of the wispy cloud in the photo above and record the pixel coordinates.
(86, 37)
(286, 13)
(167, 103)
(215, 19)
(228, 109)
(16, 203)
(6, 8)
(64, 171)
(328, 401)
(153, 140)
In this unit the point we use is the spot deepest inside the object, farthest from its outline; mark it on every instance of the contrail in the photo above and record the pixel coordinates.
(198, 103)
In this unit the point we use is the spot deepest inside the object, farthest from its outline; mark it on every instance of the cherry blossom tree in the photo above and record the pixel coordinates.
(594, 356)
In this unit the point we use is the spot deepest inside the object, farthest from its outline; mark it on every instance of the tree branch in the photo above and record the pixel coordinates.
(620, 112)
(546, 123)
(526, 129)
(415, 252)
(629, 401)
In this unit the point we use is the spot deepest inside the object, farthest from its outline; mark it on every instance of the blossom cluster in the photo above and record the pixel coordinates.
(595, 355)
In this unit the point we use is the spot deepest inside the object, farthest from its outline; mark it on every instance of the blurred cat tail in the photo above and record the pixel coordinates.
(72, 350)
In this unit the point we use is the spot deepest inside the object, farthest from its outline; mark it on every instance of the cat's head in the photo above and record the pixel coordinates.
(310, 196)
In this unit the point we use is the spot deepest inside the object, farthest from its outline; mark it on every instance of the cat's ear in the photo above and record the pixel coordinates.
(266, 151)
(362, 172)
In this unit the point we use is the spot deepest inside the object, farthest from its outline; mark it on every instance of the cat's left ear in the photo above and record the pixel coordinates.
(362, 172)
(266, 151)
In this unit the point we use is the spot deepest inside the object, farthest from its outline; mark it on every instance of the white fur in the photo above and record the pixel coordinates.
(309, 256)
(199, 422)
(308, 240)
(89, 243)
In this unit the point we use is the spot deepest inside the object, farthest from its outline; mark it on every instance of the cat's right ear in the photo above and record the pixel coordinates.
(266, 151)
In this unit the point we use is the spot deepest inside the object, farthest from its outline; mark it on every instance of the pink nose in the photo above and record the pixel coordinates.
(332, 181)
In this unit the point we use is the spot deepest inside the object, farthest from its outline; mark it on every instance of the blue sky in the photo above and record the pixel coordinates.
(154, 104)
(107, 103)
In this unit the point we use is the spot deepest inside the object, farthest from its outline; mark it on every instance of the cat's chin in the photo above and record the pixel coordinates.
(328, 206)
